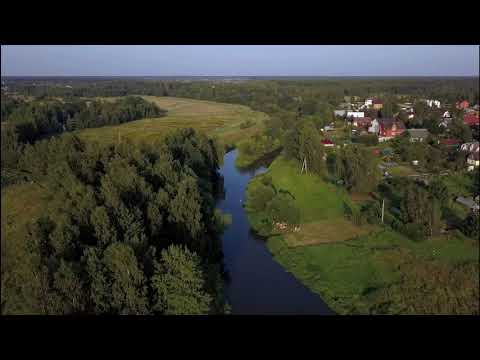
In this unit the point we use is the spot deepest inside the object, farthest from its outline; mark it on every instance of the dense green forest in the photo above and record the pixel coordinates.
(263, 95)
(127, 229)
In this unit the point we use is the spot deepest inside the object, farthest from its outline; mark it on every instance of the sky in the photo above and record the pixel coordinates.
(240, 60)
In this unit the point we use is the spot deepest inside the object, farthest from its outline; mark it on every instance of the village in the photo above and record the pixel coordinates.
(357, 121)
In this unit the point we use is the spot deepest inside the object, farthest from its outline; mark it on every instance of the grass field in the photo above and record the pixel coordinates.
(401, 170)
(321, 206)
(215, 119)
(367, 269)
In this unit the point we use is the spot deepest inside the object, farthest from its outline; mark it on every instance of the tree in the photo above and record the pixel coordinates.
(420, 209)
(471, 225)
(440, 191)
(259, 196)
(303, 143)
(356, 166)
(178, 283)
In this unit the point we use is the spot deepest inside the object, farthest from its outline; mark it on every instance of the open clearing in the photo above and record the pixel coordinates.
(216, 119)
(326, 231)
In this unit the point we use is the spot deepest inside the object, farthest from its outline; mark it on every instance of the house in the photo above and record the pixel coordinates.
(446, 114)
(374, 127)
(368, 102)
(433, 103)
(473, 161)
(362, 122)
(340, 112)
(329, 127)
(468, 203)
(471, 147)
(355, 114)
(389, 128)
(445, 122)
(418, 134)
(377, 104)
(327, 142)
(462, 105)
(471, 120)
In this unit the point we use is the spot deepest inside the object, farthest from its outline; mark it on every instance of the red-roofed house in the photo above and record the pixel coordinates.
(362, 122)
(378, 104)
(389, 128)
(471, 120)
(462, 105)
(327, 142)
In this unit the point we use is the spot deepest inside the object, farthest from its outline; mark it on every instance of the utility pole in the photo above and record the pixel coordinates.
(304, 166)
(383, 209)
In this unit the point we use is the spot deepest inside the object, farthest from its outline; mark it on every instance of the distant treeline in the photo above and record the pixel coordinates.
(263, 95)
(39, 118)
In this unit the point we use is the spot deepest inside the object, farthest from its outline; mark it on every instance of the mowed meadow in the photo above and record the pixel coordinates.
(216, 119)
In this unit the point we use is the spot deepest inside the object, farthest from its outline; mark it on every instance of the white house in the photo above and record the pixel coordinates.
(432, 103)
(473, 161)
(446, 114)
(368, 102)
(340, 112)
(471, 147)
(355, 114)
(374, 127)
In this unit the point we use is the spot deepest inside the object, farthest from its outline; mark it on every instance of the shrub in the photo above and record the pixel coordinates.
(282, 208)
(260, 196)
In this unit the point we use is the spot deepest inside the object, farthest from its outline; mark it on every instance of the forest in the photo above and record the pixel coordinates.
(127, 229)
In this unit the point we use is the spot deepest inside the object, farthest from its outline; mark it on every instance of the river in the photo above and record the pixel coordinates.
(257, 284)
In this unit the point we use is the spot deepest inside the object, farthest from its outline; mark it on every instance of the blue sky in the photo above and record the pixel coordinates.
(244, 60)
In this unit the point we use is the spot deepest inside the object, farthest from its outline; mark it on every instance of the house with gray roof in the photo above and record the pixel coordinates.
(468, 203)
(418, 134)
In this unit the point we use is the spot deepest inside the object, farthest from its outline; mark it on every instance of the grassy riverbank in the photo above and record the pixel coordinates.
(368, 269)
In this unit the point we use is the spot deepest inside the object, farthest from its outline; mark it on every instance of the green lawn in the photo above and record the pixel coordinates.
(316, 199)
(401, 170)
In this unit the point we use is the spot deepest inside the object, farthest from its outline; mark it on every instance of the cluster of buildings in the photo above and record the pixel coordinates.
(389, 128)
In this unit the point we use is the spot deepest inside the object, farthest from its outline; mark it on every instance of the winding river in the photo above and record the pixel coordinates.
(257, 284)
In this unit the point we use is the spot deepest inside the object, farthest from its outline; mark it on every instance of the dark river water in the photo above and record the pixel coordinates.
(258, 284)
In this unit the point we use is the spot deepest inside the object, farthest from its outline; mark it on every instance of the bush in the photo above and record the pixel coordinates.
(372, 212)
(260, 196)
(282, 208)
(471, 226)
(414, 231)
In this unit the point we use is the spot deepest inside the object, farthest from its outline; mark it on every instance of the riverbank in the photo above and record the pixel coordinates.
(257, 283)
(361, 270)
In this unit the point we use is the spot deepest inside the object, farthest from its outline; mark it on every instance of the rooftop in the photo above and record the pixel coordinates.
(418, 133)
